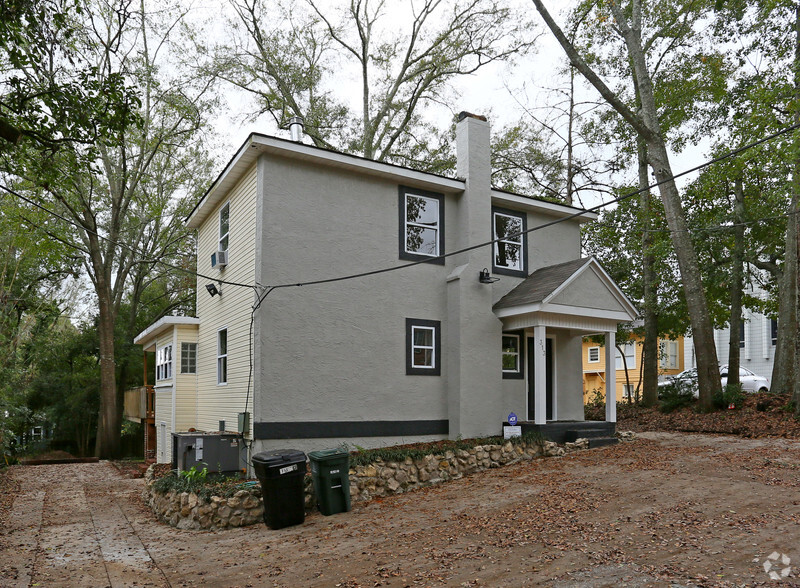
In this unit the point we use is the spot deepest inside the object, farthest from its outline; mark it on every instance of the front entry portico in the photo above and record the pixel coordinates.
(556, 307)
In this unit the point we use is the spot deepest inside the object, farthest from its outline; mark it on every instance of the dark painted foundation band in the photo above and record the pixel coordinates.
(348, 429)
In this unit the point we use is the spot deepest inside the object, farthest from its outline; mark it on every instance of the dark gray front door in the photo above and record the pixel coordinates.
(548, 362)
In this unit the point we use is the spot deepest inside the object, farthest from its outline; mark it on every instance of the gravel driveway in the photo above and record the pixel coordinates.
(664, 510)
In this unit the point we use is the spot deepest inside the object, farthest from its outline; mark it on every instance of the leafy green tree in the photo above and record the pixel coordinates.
(292, 58)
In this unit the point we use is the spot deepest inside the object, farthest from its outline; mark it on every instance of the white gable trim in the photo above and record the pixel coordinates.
(161, 325)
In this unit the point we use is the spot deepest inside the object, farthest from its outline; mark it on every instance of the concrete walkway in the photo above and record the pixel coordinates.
(74, 526)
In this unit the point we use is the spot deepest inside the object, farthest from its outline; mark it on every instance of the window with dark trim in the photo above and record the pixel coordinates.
(508, 252)
(423, 347)
(773, 330)
(512, 357)
(741, 334)
(421, 225)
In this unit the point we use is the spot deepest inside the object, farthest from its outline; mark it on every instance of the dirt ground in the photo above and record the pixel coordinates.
(664, 510)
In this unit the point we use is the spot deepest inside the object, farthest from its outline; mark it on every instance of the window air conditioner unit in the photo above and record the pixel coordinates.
(220, 258)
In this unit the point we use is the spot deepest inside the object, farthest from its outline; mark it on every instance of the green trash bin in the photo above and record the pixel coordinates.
(330, 470)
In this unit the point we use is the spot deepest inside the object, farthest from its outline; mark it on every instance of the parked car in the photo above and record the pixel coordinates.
(750, 381)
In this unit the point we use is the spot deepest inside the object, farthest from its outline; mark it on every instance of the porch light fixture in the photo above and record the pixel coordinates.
(213, 290)
(485, 278)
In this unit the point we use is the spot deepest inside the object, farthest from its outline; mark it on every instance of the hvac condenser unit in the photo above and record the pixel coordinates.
(219, 452)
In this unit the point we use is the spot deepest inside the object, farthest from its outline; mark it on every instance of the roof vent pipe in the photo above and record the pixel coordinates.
(296, 129)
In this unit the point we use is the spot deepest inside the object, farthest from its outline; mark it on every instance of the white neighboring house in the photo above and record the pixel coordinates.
(759, 333)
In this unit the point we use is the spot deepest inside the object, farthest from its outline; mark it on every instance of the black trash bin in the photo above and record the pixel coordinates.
(280, 473)
(330, 470)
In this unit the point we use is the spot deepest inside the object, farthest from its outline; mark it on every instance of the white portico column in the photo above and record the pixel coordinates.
(611, 378)
(539, 375)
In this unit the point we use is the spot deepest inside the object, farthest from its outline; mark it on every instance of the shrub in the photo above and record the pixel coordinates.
(675, 395)
(199, 483)
(731, 394)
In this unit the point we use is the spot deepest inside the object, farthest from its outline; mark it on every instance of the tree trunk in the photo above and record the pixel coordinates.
(647, 125)
(650, 352)
(737, 283)
(796, 200)
(109, 424)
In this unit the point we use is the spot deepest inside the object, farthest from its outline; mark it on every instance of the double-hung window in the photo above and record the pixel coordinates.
(188, 358)
(773, 331)
(421, 225)
(164, 363)
(423, 347)
(510, 242)
(630, 356)
(222, 356)
(669, 354)
(224, 227)
(512, 356)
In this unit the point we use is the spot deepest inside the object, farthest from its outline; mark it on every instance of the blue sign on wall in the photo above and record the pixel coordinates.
(512, 419)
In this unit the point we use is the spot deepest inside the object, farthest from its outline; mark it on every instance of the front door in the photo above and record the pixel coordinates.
(548, 362)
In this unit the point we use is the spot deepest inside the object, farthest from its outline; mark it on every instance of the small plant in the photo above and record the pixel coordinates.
(675, 395)
(732, 394)
(195, 475)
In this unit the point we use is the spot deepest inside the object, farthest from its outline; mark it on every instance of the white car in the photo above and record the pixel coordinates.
(750, 382)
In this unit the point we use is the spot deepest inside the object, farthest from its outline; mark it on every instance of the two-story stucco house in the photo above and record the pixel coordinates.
(428, 351)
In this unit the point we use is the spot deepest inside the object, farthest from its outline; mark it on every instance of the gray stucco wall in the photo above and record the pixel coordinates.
(337, 352)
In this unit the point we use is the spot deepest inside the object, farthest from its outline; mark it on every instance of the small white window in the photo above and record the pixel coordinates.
(630, 356)
(188, 358)
(423, 347)
(628, 391)
(222, 356)
(594, 355)
(224, 225)
(511, 363)
(164, 363)
(669, 354)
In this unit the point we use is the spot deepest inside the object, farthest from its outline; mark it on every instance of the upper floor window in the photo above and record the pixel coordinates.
(593, 355)
(421, 225)
(423, 347)
(188, 358)
(773, 330)
(222, 356)
(630, 356)
(224, 226)
(509, 248)
(669, 354)
(741, 333)
(164, 363)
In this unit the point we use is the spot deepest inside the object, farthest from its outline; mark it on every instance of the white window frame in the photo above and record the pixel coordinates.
(520, 242)
(407, 223)
(190, 359)
(593, 350)
(431, 347)
(516, 354)
(630, 358)
(222, 358)
(226, 235)
(665, 348)
(628, 390)
(164, 363)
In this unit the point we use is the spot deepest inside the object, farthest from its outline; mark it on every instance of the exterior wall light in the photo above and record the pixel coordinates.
(213, 290)
(485, 278)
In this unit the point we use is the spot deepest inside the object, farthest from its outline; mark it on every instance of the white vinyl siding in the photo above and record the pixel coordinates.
(232, 310)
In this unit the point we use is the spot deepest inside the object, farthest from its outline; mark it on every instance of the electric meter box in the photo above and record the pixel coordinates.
(219, 452)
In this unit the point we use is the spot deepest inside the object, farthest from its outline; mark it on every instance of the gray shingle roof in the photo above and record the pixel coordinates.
(541, 283)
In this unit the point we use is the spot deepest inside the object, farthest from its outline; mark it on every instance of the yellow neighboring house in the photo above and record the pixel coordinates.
(594, 365)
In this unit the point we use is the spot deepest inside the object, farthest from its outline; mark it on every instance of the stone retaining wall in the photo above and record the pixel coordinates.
(188, 511)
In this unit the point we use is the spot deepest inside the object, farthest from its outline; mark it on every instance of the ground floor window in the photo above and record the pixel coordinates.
(512, 356)
(423, 347)
(222, 356)
(669, 354)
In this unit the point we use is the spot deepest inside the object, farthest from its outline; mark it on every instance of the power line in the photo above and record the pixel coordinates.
(547, 224)
(119, 243)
